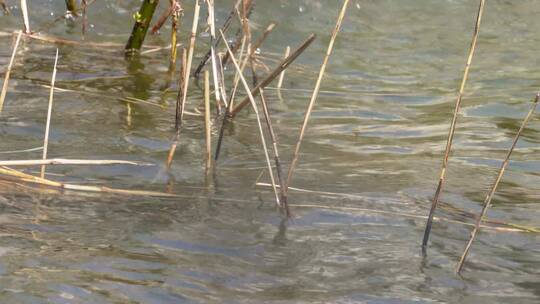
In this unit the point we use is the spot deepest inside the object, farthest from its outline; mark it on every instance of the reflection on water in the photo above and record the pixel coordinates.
(377, 135)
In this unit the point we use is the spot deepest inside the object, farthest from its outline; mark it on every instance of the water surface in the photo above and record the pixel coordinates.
(377, 135)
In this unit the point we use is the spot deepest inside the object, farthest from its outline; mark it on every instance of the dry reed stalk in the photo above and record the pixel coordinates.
(316, 92)
(179, 97)
(277, 160)
(282, 75)
(49, 113)
(255, 109)
(491, 193)
(8, 72)
(21, 176)
(275, 73)
(26, 22)
(163, 18)
(219, 89)
(187, 70)
(207, 126)
(64, 161)
(452, 129)
(224, 28)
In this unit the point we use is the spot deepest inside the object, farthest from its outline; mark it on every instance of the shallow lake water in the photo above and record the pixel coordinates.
(370, 160)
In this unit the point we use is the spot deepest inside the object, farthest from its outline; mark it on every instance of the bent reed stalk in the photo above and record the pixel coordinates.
(491, 193)
(451, 132)
(315, 94)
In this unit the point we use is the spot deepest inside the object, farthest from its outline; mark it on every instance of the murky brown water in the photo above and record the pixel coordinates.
(377, 134)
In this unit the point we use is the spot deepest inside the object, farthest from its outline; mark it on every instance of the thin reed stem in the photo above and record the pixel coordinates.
(8, 72)
(277, 160)
(207, 126)
(231, 100)
(187, 70)
(315, 93)
(255, 109)
(49, 113)
(219, 89)
(451, 131)
(491, 193)
(224, 28)
(275, 73)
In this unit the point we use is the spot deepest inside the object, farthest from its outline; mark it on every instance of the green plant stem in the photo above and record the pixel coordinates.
(142, 22)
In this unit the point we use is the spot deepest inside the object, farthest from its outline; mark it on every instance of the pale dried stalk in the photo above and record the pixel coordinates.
(282, 75)
(315, 92)
(24, 9)
(8, 72)
(49, 113)
(255, 109)
(219, 89)
(452, 129)
(491, 193)
(21, 176)
(189, 58)
(65, 161)
(207, 126)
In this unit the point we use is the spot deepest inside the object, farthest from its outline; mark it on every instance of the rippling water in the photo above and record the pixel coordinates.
(376, 137)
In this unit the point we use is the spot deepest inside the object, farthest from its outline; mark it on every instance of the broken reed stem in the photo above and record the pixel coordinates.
(64, 161)
(491, 193)
(26, 22)
(224, 28)
(282, 75)
(49, 113)
(255, 109)
(452, 129)
(275, 73)
(71, 6)
(8, 72)
(207, 126)
(277, 160)
(142, 21)
(315, 92)
(189, 60)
